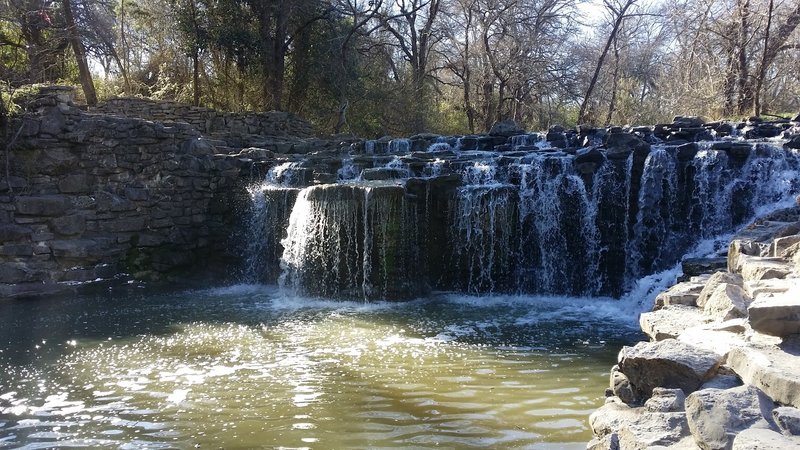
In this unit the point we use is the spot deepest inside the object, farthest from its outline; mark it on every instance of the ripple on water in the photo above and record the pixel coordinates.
(250, 369)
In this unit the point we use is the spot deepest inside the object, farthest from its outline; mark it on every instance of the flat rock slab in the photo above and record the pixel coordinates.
(777, 314)
(761, 439)
(717, 341)
(771, 369)
(715, 416)
(755, 289)
(671, 321)
(685, 293)
(755, 268)
(668, 363)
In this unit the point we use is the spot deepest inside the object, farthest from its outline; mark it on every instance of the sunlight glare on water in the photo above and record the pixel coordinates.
(248, 367)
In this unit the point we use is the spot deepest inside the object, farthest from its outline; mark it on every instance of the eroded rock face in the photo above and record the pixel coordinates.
(668, 363)
(715, 416)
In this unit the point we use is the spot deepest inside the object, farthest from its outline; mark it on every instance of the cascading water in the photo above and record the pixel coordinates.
(351, 241)
(539, 220)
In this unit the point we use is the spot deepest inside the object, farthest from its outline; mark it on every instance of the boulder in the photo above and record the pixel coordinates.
(715, 280)
(506, 128)
(668, 363)
(763, 439)
(728, 301)
(688, 121)
(776, 314)
(787, 419)
(619, 145)
(671, 321)
(771, 369)
(715, 416)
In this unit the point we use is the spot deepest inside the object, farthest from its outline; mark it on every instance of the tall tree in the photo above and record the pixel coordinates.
(84, 75)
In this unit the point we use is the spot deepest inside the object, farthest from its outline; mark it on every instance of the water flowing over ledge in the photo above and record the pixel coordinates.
(531, 219)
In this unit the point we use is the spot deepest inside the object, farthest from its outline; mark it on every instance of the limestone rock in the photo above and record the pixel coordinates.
(719, 342)
(771, 369)
(506, 128)
(685, 293)
(739, 249)
(621, 387)
(607, 442)
(715, 416)
(688, 121)
(613, 416)
(781, 245)
(763, 439)
(755, 289)
(777, 314)
(715, 280)
(671, 321)
(668, 363)
(728, 301)
(666, 400)
(755, 268)
(787, 419)
(654, 430)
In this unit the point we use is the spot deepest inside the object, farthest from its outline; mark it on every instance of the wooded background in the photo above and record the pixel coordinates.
(400, 67)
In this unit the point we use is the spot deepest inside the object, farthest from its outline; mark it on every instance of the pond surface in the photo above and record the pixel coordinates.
(251, 367)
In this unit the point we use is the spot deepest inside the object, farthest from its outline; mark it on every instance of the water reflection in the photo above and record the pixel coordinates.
(246, 367)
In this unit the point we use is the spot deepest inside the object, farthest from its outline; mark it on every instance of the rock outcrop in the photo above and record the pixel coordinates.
(733, 350)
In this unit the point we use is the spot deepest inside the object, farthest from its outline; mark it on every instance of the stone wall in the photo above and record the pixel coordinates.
(91, 196)
(208, 121)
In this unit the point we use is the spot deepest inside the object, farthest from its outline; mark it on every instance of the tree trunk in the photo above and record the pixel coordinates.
(80, 56)
(196, 78)
(611, 37)
(612, 105)
(745, 84)
(762, 68)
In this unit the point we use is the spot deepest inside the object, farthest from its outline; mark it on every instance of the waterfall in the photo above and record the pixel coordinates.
(270, 209)
(352, 241)
(535, 220)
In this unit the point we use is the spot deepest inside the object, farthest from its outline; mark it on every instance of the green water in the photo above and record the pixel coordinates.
(249, 367)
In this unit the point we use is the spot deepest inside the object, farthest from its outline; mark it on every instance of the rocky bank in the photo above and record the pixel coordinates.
(722, 367)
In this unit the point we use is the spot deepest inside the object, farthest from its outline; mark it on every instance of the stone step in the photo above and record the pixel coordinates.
(777, 314)
(670, 321)
(771, 369)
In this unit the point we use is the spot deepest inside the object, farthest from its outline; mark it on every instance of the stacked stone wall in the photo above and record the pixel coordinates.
(91, 196)
(208, 121)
